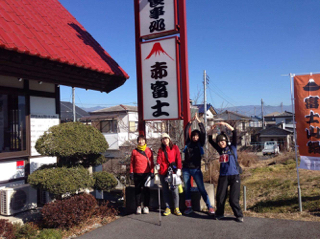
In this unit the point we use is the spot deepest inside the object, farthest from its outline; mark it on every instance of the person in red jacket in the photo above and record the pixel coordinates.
(169, 158)
(141, 167)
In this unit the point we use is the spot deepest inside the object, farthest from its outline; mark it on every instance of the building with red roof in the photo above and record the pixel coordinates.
(42, 46)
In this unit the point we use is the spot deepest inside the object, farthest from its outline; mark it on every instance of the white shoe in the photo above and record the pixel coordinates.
(145, 210)
(138, 210)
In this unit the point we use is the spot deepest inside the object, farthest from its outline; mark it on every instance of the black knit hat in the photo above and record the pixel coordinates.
(221, 137)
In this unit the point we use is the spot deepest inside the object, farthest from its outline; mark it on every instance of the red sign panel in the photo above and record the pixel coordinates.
(307, 116)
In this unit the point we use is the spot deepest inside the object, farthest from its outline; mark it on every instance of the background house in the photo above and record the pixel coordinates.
(119, 125)
(240, 122)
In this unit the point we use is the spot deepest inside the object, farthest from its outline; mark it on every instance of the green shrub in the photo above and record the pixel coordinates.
(6, 229)
(73, 143)
(25, 231)
(68, 212)
(104, 181)
(49, 233)
(62, 180)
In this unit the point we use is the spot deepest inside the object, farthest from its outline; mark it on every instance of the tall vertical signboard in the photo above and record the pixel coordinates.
(160, 41)
(307, 117)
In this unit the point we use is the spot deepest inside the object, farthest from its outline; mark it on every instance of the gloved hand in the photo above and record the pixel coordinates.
(179, 172)
(152, 175)
(131, 176)
(157, 167)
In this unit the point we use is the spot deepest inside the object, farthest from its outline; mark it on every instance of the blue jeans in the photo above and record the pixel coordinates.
(166, 193)
(198, 178)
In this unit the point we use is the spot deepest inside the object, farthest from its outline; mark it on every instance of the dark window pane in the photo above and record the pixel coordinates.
(12, 123)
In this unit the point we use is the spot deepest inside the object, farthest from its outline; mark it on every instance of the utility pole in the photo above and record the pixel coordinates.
(205, 98)
(281, 105)
(262, 114)
(73, 106)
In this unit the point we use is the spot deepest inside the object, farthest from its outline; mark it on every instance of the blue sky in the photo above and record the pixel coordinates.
(245, 47)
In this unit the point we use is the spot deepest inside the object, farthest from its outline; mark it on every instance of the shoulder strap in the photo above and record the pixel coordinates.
(144, 154)
(237, 163)
(166, 155)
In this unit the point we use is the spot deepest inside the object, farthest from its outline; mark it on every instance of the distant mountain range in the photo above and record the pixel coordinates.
(247, 110)
(255, 110)
(90, 109)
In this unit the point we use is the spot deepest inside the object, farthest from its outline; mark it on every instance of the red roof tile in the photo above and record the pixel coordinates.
(46, 29)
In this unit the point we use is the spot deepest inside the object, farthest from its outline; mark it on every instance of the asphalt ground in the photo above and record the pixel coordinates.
(200, 225)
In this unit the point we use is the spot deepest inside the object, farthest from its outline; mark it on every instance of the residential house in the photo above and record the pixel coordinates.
(35, 60)
(270, 119)
(119, 125)
(66, 112)
(240, 122)
(284, 137)
(210, 112)
(279, 128)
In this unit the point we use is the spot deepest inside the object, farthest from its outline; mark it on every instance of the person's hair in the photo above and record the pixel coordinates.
(194, 132)
(141, 136)
(163, 146)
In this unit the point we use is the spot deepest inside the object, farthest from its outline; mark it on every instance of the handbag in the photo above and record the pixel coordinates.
(149, 182)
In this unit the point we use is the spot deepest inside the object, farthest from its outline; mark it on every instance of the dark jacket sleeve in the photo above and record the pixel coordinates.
(214, 144)
(186, 133)
(202, 134)
(234, 138)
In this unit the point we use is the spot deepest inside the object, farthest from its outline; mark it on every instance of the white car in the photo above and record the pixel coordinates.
(270, 147)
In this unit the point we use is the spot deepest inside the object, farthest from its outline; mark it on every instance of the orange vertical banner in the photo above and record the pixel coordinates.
(307, 117)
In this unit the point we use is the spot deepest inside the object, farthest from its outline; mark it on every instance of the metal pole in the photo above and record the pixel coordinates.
(159, 202)
(295, 139)
(73, 106)
(184, 62)
(244, 198)
(205, 98)
(205, 108)
(141, 122)
(262, 114)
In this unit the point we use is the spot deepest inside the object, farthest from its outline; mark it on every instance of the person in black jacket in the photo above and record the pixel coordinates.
(192, 164)
(229, 172)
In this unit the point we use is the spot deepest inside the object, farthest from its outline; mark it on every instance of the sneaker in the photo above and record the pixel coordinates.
(138, 210)
(145, 210)
(188, 211)
(177, 212)
(211, 211)
(219, 217)
(239, 219)
(167, 212)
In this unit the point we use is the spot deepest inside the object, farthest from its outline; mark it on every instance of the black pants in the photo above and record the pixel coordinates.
(222, 193)
(139, 181)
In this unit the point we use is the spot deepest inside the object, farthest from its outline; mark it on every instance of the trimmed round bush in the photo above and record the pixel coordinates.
(62, 180)
(104, 181)
(72, 141)
(69, 212)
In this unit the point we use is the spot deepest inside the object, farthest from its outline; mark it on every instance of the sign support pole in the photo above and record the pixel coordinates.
(295, 140)
(141, 122)
(184, 62)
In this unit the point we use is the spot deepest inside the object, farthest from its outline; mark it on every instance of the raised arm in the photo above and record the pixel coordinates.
(234, 138)
(186, 132)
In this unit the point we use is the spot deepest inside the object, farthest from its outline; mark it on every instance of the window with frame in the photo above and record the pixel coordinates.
(159, 127)
(12, 123)
(133, 126)
(109, 126)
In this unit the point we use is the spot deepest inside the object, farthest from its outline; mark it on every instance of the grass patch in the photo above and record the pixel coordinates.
(272, 190)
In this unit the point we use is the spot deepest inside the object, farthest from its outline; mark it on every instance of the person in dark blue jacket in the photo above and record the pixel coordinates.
(229, 172)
